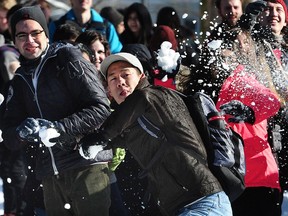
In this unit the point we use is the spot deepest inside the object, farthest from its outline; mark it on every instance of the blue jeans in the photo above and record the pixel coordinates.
(217, 204)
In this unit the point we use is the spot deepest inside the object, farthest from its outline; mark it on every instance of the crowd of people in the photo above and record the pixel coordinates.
(77, 89)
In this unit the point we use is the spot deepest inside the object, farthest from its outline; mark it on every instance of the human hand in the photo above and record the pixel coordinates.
(95, 146)
(53, 133)
(248, 19)
(256, 7)
(239, 111)
(28, 130)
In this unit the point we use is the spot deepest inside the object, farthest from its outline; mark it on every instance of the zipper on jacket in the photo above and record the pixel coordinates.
(37, 73)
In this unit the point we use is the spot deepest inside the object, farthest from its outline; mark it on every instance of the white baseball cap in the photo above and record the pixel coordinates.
(122, 56)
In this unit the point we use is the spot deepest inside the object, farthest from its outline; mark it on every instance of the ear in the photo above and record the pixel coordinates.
(142, 75)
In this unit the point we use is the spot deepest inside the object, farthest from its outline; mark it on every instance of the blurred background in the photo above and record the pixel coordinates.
(197, 15)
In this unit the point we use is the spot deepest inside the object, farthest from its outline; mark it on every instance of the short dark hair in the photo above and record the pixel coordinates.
(218, 3)
(66, 32)
(90, 36)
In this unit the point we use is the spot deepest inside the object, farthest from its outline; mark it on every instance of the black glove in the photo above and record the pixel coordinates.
(239, 111)
(28, 130)
(94, 139)
(252, 11)
(63, 140)
(95, 146)
(256, 7)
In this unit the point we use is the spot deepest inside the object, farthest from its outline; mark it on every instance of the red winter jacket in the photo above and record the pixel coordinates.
(261, 167)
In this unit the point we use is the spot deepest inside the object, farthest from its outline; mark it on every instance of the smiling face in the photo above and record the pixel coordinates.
(230, 11)
(273, 16)
(122, 80)
(99, 52)
(30, 39)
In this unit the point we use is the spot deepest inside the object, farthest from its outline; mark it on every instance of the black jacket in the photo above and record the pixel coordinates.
(61, 86)
(178, 177)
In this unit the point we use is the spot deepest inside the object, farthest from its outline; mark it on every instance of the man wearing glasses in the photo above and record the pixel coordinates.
(55, 94)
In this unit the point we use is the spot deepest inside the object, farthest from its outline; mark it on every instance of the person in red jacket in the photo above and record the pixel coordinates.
(249, 85)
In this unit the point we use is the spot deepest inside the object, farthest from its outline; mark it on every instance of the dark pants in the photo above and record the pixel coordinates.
(258, 201)
(13, 173)
(84, 191)
(117, 207)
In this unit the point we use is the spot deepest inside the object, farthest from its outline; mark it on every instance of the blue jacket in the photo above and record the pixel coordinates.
(111, 34)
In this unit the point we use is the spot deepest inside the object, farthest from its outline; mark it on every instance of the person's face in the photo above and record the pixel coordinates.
(273, 16)
(122, 79)
(3, 21)
(120, 27)
(81, 5)
(99, 52)
(133, 23)
(230, 11)
(30, 39)
(243, 43)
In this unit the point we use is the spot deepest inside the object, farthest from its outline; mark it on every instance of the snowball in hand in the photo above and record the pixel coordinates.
(91, 152)
(46, 134)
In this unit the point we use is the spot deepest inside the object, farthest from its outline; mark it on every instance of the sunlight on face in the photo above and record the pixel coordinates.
(99, 52)
(122, 80)
(273, 16)
(230, 11)
(32, 45)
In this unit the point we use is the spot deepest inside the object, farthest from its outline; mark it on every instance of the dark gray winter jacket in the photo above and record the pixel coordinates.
(177, 177)
(61, 86)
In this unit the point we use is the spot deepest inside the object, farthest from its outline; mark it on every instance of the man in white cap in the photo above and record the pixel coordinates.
(178, 181)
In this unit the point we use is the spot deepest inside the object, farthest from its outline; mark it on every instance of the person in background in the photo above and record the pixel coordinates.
(138, 25)
(162, 35)
(97, 43)
(188, 49)
(242, 74)
(230, 12)
(269, 27)
(85, 17)
(179, 183)
(35, 118)
(115, 17)
(66, 32)
(5, 6)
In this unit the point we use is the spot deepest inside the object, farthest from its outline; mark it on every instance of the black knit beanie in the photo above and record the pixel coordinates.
(33, 13)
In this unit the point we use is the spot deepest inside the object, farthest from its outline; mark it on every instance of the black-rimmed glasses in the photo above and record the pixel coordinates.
(24, 36)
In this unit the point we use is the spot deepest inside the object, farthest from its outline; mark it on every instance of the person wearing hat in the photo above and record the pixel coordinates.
(54, 100)
(115, 17)
(178, 182)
